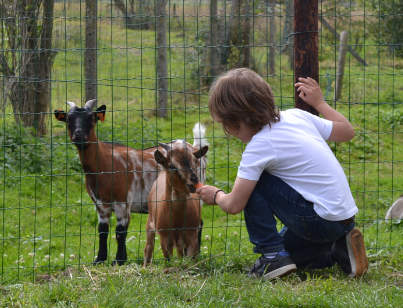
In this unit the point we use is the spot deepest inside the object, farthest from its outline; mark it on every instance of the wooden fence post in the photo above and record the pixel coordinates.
(306, 63)
(340, 64)
(90, 55)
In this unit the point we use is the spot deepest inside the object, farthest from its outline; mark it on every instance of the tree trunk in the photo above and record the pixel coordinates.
(45, 63)
(30, 92)
(289, 13)
(246, 27)
(272, 35)
(213, 51)
(136, 16)
(162, 70)
(239, 34)
(306, 61)
(288, 39)
(176, 17)
(90, 56)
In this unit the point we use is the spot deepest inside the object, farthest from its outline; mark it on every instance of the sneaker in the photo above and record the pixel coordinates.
(349, 253)
(269, 268)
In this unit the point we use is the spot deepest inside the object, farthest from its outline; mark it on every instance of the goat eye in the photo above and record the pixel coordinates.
(172, 167)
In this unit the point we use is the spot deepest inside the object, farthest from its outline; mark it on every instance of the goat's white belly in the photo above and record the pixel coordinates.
(137, 195)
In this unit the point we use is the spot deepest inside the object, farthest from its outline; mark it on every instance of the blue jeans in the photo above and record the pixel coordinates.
(306, 236)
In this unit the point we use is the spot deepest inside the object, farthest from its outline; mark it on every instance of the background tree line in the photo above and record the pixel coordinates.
(224, 40)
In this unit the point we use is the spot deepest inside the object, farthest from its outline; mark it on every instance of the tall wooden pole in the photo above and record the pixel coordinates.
(213, 52)
(340, 64)
(90, 55)
(162, 64)
(306, 63)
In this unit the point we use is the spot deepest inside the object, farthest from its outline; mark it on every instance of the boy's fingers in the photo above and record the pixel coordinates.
(301, 84)
(305, 82)
(312, 81)
(303, 79)
(302, 88)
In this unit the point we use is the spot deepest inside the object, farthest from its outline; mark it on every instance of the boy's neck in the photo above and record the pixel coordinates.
(245, 133)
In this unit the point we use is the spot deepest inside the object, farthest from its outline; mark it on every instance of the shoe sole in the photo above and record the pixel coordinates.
(282, 271)
(356, 253)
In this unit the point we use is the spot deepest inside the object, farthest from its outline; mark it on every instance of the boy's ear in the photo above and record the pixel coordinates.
(60, 115)
(200, 153)
(100, 112)
(160, 158)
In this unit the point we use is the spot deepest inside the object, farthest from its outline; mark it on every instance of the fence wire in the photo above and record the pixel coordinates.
(154, 63)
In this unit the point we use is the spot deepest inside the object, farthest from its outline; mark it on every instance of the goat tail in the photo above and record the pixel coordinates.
(199, 133)
(199, 141)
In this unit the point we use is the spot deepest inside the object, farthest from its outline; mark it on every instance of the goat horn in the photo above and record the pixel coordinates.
(165, 146)
(90, 104)
(71, 104)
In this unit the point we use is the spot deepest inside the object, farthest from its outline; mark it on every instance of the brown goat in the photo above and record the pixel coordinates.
(174, 210)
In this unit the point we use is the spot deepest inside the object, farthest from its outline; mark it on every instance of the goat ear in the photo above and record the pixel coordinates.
(101, 113)
(164, 146)
(60, 115)
(160, 158)
(200, 153)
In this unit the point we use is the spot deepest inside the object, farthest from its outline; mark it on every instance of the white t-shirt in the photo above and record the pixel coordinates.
(294, 149)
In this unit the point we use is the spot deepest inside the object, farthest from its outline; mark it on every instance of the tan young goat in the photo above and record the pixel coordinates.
(174, 210)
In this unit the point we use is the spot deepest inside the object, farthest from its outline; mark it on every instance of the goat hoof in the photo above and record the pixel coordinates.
(98, 261)
(118, 262)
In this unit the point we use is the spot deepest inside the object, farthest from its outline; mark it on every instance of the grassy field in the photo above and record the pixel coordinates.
(48, 224)
(209, 283)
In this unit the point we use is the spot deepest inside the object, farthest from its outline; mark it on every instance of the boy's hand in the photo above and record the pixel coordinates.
(207, 193)
(310, 91)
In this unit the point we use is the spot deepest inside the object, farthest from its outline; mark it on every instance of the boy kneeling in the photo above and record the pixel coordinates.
(287, 170)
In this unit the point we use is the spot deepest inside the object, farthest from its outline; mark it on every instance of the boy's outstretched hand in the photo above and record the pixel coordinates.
(207, 193)
(310, 91)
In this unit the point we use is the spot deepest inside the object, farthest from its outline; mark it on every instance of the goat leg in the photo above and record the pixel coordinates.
(180, 246)
(103, 230)
(121, 254)
(167, 245)
(149, 249)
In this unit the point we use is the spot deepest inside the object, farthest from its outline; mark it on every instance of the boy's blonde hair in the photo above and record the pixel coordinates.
(241, 95)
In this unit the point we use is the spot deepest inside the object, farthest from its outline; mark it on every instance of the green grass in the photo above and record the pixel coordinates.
(215, 282)
(48, 224)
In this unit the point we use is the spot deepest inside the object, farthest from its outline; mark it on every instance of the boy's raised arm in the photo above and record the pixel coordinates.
(310, 92)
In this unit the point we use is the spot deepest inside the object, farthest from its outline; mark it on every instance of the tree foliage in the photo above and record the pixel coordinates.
(388, 27)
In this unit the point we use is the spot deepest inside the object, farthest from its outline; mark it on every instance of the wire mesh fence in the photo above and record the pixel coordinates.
(154, 63)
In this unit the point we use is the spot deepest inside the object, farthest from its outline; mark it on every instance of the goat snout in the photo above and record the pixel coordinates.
(193, 178)
(79, 136)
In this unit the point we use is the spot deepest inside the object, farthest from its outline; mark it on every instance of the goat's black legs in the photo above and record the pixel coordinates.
(103, 230)
(121, 255)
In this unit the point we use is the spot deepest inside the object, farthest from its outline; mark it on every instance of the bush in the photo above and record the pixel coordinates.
(20, 150)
